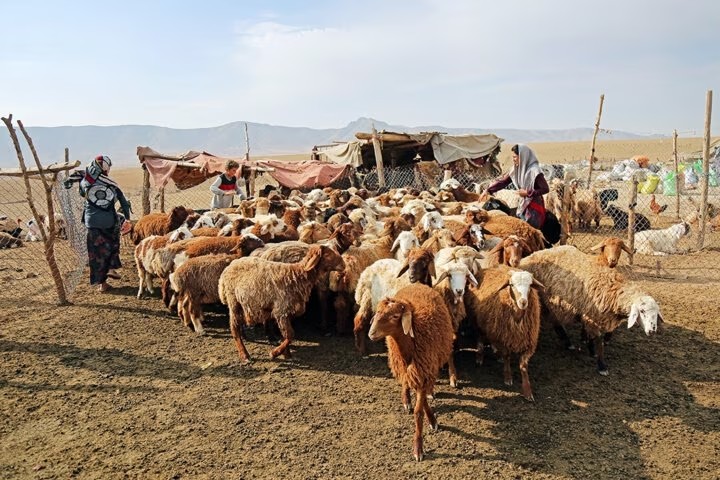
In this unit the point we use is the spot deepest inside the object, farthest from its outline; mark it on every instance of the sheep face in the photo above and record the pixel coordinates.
(324, 258)
(449, 185)
(178, 215)
(432, 221)
(473, 216)
(420, 264)
(477, 236)
(392, 318)
(458, 275)
(358, 217)
(445, 196)
(514, 248)
(250, 243)
(611, 248)
(203, 221)
(404, 243)
(647, 311)
(520, 283)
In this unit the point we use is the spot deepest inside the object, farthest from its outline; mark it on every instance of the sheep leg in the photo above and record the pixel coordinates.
(288, 333)
(452, 372)
(183, 311)
(359, 330)
(526, 388)
(507, 368)
(141, 283)
(601, 365)
(405, 397)
(430, 415)
(166, 292)
(563, 336)
(420, 403)
(236, 316)
(196, 316)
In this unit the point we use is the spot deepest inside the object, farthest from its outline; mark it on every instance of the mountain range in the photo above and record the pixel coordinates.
(119, 142)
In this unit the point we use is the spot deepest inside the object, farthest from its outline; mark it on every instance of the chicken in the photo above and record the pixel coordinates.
(656, 208)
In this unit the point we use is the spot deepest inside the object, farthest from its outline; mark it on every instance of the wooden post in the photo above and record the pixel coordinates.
(677, 176)
(631, 217)
(705, 178)
(378, 157)
(250, 183)
(67, 162)
(48, 237)
(565, 214)
(146, 190)
(162, 199)
(594, 138)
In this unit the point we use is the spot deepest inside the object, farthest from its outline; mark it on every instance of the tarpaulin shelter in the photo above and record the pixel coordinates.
(193, 168)
(403, 148)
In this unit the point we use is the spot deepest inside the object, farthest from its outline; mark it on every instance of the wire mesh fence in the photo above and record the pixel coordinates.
(24, 271)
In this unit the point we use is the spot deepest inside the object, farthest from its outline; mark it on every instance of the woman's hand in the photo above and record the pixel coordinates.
(522, 192)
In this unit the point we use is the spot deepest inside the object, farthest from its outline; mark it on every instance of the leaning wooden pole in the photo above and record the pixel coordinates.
(704, 180)
(378, 157)
(146, 190)
(677, 176)
(594, 139)
(48, 238)
(631, 217)
(250, 184)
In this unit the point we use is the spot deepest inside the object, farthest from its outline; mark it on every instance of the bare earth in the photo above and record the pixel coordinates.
(113, 387)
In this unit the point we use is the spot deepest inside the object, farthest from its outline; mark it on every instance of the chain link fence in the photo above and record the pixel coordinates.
(24, 271)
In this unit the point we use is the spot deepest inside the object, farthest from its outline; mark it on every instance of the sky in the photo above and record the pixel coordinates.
(322, 64)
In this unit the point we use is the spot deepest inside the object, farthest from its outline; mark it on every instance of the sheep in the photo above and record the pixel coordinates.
(587, 208)
(33, 233)
(419, 337)
(509, 198)
(383, 279)
(8, 241)
(60, 225)
(8, 225)
(438, 240)
(403, 244)
(313, 232)
(196, 283)
(235, 228)
(661, 242)
(267, 228)
(430, 222)
(256, 290)
(508, 252)
(335, 220)
(159, 223)
(506, 309)
(576, 286)
(621, 219)
(461, 195)
(451, 283)
(473, 236)
(506, 225)
(146, 251)
(610, 250)
(466, 255)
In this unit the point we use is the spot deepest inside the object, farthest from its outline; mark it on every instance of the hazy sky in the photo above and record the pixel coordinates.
(515, 64)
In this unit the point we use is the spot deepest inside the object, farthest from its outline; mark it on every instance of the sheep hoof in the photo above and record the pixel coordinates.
(200, 332)
(418, 454)
(430, 397)
(453, 382)
(508, 382)
(406, 407)
(435, 427)
(604, 372)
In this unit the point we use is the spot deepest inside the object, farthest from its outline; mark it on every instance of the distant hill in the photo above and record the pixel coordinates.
(120, 142)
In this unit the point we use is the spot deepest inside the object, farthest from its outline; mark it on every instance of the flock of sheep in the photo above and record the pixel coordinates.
(418, 269)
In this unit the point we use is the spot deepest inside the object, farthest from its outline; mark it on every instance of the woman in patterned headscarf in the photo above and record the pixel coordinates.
(530, 183)
(102, 221)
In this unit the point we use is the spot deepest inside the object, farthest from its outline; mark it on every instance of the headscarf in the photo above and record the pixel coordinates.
(523, 176)
(104, 162)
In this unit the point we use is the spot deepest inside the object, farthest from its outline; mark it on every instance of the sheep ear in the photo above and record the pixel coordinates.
(634, 315)
(313, 258)
(600, 246)
(537, 285)
(407, 322)
(403, 269)
(396, 245)
(431, 269)
(526, 248)
(442, 277)
(471, 278)
(626, 248)
(505, 284)
(264, 229)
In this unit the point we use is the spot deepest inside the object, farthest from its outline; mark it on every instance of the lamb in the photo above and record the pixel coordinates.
(576, 286)
(8, 241)
(610, 250)
(587, 208)
(256, 290)
(661, 242)
(419, 336)
(196, 283)
(159, 223)
(621, 220)
(506, 309)
(383, 279)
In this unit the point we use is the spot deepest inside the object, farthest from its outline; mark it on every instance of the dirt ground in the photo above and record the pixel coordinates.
(114, 387)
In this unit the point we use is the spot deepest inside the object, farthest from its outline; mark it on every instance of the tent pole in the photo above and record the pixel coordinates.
(378, 157)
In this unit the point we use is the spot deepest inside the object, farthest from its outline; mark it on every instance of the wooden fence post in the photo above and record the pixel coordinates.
(146, 190)
(705, 178)
(162, 199)
(594, 138)
(378, 157)
(677, 176)
(631, 218)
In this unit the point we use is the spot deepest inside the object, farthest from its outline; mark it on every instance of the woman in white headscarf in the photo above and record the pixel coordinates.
(530, 183)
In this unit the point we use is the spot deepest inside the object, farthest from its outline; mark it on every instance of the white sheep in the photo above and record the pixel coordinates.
(660, 242)
(405, 242)
(575, 285)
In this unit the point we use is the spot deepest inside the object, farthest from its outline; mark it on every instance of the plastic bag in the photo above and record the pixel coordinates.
(669, 184)
(650, 184)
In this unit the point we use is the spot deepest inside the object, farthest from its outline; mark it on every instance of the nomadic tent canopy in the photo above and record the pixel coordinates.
(404, 148)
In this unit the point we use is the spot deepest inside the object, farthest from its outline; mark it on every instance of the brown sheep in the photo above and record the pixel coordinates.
(505, 225)
(587, 208)
(508, 252)
(206, 232)
(196, 283)
(336, 220)
(610, 250)
(159, 223)
(313, 232)
(419, 336)
(506, 309)
(267, 228)
(257, 290)
(147, 251)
